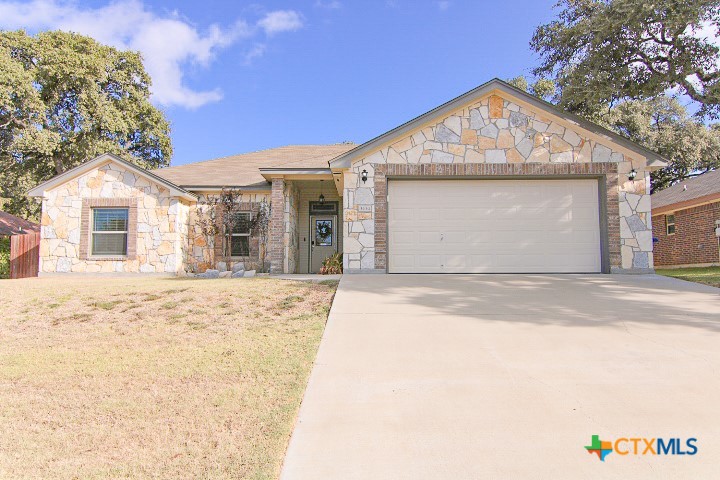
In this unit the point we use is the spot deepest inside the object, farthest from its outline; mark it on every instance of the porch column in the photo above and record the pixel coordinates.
(277, 227)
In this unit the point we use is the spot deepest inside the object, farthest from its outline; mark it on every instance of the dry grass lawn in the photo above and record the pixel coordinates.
(153, 377)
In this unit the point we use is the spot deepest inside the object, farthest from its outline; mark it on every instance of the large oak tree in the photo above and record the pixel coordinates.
(64, 99)
(660, 123)
(604, 51)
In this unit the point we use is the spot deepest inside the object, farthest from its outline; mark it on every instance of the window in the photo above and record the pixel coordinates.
(670, 224)
(326, 208)
(109, 231)
(239, 237)
(323, 233)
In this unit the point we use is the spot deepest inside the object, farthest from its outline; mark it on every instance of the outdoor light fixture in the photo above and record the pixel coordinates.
(322, 197)
(632, 174)
(364, 176)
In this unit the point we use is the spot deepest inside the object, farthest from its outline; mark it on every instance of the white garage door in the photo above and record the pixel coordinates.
(493, 226)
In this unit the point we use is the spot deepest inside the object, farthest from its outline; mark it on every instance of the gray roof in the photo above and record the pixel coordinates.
(344, 160)
(689, 189)
(244, 170)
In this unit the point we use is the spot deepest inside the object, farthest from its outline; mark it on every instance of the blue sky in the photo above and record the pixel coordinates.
(234, 77)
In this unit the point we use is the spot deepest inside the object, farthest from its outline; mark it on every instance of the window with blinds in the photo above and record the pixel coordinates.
(109, 231)
(239, 237)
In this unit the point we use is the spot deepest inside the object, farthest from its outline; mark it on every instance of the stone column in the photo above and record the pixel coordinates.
(276, 238)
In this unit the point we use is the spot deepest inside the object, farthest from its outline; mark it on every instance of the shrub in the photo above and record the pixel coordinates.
(332, 265)
(4, 257)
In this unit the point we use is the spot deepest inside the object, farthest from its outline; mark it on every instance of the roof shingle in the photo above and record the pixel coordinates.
(244, 170)
(689, 189)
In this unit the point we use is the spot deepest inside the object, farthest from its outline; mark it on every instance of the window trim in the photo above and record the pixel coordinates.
(94, 232)
(668, 224)
(232, 234)
(85, 226)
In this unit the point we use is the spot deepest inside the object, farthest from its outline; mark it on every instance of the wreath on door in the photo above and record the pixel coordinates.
(324, 229)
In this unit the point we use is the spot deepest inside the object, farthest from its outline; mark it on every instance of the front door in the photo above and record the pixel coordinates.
(323, 239)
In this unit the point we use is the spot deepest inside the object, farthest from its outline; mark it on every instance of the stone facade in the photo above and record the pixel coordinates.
(156, 238)
(204, 253)
(291, 240)
(503, 136)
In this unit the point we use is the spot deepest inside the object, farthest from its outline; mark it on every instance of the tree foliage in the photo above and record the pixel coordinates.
(542, 88)
(661, 124)
(64, 99)
(604, 51)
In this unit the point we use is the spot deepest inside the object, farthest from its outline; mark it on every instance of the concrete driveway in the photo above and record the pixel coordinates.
(509, 376)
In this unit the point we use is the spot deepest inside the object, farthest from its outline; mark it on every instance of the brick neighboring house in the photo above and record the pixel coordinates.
(686, 222)
(495, 181)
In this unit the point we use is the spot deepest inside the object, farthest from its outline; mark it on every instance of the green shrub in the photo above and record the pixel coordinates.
(4, 257)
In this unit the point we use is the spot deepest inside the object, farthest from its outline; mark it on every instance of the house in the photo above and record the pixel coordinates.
(21, 237)
(686, 222)
(11, 225)
(495, 180)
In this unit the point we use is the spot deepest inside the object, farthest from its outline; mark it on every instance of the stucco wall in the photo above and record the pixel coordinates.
(494, 130)
(159, 237)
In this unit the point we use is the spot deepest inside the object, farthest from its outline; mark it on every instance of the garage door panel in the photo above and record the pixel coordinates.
(501, 226)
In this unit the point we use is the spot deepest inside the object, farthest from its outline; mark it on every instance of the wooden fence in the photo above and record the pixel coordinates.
(24, 255)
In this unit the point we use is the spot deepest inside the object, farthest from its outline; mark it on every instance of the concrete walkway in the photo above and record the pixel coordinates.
(508, 376)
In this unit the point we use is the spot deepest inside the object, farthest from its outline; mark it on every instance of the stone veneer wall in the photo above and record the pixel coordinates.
(157, 239)
(291, 240)
(495, 131)
(202, 256)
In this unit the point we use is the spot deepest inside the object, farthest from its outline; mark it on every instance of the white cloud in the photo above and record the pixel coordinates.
(168, 43)
(281, 21)
(330, 5)
(257, 51)
(443, 5)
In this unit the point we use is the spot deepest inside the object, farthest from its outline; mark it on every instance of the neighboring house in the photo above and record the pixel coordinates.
(686, 222)
(495, 180)
(19, 256)
(11, 225)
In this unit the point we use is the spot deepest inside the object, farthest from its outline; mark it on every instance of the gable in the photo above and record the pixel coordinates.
(110, 162)
(497, 111)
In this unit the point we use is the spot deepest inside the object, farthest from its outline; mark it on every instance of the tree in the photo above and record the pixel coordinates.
(604, 51)
(541, 88)
(661, 124)
(259, 226)
(64, 99)
(216, 216)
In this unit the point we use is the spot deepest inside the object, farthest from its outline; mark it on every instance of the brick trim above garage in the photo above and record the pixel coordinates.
(85, 220)
(607, 171)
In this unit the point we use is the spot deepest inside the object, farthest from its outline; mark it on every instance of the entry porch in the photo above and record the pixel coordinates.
(306, 220)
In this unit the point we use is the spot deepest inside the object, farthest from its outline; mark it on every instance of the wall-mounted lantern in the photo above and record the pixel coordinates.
(364, 175)
(321, 199)
(632, 174)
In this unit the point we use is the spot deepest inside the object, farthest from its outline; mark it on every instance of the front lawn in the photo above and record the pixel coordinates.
(153, 377)
(706, 275)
